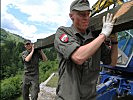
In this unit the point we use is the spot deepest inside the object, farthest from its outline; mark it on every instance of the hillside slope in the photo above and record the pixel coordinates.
(7, 36)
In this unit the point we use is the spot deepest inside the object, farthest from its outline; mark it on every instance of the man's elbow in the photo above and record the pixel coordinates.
(113, 64)
(45, 60)
(77, 60)
(27, 60)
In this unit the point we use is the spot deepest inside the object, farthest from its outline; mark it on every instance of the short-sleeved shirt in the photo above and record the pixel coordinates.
(77, 82)
(31, 67)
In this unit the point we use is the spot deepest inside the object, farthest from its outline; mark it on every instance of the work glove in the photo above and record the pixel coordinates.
(107, 25)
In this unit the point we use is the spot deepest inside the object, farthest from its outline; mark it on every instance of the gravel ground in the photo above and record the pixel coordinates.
(46, 93)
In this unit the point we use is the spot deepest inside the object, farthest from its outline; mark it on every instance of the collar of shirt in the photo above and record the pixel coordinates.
(85, 36)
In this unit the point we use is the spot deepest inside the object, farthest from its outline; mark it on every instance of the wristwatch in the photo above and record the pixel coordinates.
(113, 43)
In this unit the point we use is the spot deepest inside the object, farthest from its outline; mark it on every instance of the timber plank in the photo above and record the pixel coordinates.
(123, 13)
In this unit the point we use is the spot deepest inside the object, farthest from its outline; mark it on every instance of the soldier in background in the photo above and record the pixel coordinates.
(31, 70)
(80, 52)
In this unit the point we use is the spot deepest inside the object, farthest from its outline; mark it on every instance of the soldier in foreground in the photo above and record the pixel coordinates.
(80, 53)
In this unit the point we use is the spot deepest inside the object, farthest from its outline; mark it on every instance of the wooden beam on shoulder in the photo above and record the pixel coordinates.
(45, 43)
(123, 13)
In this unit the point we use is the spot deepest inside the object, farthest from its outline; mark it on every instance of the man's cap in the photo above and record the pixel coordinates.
(80, 5)
(27, 41)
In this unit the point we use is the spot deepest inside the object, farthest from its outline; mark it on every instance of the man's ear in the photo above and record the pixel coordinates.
(71, 16)
(25, 46)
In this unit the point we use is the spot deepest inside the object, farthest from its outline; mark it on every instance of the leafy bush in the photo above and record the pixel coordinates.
(10, 87)
(53, 81)
(46, 68)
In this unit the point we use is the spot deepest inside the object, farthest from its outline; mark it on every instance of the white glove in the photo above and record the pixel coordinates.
(107, 25)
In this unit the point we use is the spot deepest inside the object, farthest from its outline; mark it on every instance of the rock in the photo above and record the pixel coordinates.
(47, 93)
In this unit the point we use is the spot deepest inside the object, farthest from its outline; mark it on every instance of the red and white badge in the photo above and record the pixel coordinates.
(64, 38)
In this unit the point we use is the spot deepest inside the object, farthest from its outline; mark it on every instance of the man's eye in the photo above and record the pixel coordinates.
(82, 14)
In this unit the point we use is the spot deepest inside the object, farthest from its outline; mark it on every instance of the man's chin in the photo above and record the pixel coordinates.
(29, 49)
(85, 27)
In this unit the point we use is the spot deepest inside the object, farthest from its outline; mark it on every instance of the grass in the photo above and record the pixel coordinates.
(53, 82)
(19, 98)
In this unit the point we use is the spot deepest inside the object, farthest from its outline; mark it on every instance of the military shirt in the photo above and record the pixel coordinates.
(77, 82)
(31, 67)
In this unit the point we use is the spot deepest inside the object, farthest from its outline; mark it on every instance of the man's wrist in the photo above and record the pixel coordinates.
(103, 35)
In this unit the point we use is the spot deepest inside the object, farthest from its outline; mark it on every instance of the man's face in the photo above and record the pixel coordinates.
(28, 46)
(81, 20)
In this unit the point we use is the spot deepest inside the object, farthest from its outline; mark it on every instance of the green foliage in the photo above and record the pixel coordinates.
(11, 60)
(11, 87)
(7, 36)
(19, 98)
(51, 53)
(12, 67)
(11, 47)
(53, 81)
(46, 68)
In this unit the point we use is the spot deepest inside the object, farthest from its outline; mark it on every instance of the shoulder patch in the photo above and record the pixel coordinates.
(64, 38)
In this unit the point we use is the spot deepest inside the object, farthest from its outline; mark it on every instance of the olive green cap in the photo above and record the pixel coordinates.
(27, 41)
(80, 5)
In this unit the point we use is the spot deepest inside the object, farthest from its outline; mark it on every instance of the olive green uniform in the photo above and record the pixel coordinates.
(31, 75)
(77, 82)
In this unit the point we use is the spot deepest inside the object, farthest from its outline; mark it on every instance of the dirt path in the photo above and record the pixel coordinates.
(47, 93)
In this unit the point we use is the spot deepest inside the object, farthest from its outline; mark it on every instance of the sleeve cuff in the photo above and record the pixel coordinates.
(70, 49)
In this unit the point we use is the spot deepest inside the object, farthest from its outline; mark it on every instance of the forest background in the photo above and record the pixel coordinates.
(11, 70)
